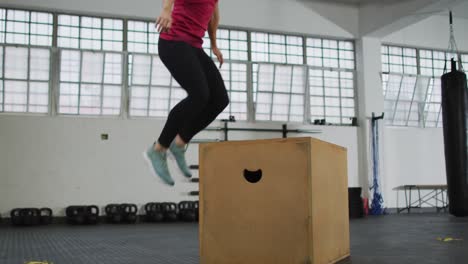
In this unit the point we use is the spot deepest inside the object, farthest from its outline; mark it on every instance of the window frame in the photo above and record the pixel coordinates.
(80, 29)
(30, 11)
(422, 68)
(28, 80)
(125, 93)
(80, 83)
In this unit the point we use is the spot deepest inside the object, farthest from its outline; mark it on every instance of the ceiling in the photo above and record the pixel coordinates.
(361, 2)
(460, 10)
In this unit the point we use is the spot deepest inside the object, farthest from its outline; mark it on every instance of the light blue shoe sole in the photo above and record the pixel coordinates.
(152, 170)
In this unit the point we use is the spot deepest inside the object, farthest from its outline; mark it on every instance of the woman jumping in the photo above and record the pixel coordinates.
(182, 25)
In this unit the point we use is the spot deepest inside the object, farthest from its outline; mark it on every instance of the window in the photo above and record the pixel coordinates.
(153, 91)
(232, 43)
(93, 65)
(24, 83)
(330, 53)
(331, 80)
(433, 107)
(433, 62)
(235, 79)
(26, 27)
(277, 48)
(399, 98)
(142, 37)
(280, 94)
(234, 46)
(90, 33)
(413, 99)
(90, 83)
(399, 60)
(332, 96)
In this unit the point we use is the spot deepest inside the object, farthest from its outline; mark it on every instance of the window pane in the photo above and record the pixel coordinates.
(92, 67)
(232, 43)
(16, 63)
(142, 37)
(39, 61)
(90, 33)
(38, 97)
(399, 60)
(153, 92)
(235, 79)
(331, 95)
(280, 94)
(90, 82)
(330, 53)
(413, 99)
(2, 25)
(26, 27)
(16, 96)
(277, 48)
(25, 83)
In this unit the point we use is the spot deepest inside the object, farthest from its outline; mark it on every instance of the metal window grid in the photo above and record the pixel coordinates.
(328, 53)
(24, 79)
(411, 85)
(25, 27)
(142, 37)
(232, 43)
(90, 82)
(277, 48)
(90, 33)
(107, 33)
(399, 60)
(280, 94)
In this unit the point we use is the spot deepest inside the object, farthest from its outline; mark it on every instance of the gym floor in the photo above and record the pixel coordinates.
(404, 238)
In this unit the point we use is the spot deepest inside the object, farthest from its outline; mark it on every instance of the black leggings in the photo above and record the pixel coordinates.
(207, 97)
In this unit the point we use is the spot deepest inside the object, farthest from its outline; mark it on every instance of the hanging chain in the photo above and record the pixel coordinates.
(453, 48)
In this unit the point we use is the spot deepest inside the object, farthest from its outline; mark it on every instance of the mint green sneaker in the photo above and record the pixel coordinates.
(157, 161)
(179, 155)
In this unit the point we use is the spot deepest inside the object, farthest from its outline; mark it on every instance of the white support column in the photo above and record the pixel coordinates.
(370, 98)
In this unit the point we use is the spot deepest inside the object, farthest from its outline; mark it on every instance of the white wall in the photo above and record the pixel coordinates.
(412, 156)
(370, 99)
(432, 32)
(68, 152)
(60, 161)
(276, 15)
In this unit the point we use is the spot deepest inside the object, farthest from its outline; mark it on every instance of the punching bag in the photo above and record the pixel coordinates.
(455, 114)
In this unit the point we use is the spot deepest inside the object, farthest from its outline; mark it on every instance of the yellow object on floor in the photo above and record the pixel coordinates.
(449, 239)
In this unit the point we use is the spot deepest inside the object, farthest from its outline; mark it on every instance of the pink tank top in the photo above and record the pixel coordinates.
(190, 20)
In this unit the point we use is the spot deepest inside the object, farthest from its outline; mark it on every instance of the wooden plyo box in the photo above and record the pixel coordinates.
(281, 201)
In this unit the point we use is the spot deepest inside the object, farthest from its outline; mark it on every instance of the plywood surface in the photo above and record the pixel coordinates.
(265, 222)
(296, 213)
(329, 203)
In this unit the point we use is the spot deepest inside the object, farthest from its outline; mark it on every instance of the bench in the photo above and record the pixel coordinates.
(436, 194)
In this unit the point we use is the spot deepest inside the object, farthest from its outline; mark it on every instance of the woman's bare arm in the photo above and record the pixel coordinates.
(212, 28)
(164, 21)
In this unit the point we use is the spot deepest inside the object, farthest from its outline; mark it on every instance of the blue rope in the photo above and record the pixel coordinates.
(377, 199)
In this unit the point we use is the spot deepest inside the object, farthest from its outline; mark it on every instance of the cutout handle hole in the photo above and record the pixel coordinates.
(253, 176)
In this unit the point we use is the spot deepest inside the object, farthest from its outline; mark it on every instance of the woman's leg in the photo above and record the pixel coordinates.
(183, 63)
(218, 100)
